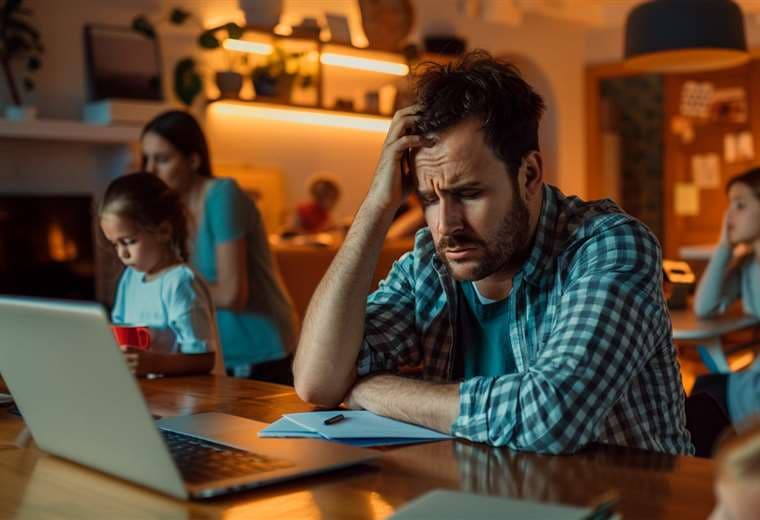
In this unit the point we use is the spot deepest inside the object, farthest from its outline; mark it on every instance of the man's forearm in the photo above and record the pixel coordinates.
(432, 405)
(333, 328)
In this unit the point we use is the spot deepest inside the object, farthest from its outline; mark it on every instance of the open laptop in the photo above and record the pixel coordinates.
(80, 401)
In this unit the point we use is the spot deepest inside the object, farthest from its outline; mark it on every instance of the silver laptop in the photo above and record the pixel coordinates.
(81, 403)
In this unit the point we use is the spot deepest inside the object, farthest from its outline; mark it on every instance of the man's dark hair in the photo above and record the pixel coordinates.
(480, 86)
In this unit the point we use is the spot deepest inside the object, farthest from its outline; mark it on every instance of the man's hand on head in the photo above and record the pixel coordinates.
(392, 182)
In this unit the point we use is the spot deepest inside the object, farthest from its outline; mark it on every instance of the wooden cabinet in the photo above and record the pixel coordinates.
(709, 136)
(689, 211)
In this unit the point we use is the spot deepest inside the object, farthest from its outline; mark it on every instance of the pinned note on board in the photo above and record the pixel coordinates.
(705, 171)
(686, 199)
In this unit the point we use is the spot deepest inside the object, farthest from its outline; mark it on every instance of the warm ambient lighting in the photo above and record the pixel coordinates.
(305, 116)
(327, 58)
(354, 62)
(247, 46)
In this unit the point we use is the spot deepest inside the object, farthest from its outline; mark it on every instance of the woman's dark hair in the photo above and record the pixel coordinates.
(751, 178)
(147, 201)
(185, 134)
(491, 90)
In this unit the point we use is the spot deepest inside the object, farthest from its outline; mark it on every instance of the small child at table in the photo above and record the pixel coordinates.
(145, 222)
(737, 484)
(315, 215)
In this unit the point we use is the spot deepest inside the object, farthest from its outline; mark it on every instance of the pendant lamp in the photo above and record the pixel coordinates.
(685, 36)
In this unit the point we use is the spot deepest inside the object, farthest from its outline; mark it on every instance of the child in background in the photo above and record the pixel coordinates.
(145, 221)
(737, 483)
(729, 277)
(314, 216)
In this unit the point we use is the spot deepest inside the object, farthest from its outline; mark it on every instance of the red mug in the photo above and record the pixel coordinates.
(133, 336)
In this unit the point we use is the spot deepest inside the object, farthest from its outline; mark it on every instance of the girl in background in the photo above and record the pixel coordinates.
(726, 278)
(256, 320)
(720, 400)
(145, 222)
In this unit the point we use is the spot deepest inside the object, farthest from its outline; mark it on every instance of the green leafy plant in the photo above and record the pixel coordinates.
(188, 81)
(282, 68)
(19, 40)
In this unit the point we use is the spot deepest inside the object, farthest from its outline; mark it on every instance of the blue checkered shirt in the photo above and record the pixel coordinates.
(591, 337)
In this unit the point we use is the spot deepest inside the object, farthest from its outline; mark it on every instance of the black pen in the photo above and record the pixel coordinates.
(334, 419)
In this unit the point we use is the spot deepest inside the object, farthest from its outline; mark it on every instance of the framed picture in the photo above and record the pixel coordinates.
(121, 63)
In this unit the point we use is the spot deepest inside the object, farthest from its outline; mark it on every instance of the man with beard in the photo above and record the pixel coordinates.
(537, 320)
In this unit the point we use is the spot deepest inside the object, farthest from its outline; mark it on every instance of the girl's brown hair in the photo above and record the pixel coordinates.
(147, 201)
(751, 178)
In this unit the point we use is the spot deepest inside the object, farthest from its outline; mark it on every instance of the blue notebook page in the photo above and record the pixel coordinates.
(285, 428)
(362, 424)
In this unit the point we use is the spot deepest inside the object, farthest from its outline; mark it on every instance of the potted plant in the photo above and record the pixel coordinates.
(229, 81)
(188, 81)
(276, 77)
(19, 41)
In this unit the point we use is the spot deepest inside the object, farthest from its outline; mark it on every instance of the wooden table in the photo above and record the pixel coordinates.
(35, 485)
(302, 266)
(709, 332)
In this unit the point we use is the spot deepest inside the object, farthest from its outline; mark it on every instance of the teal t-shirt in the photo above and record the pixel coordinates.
(483, 335)
(264, 330)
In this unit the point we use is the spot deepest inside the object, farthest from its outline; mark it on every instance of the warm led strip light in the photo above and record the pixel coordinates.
(354, 62)
(303, 116)
(327, 58)
(247, 46)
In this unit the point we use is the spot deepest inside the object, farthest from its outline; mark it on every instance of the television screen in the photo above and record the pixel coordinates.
(46, 246)
(121, 63)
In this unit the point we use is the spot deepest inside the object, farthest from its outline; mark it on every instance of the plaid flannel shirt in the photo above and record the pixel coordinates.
(590, 332)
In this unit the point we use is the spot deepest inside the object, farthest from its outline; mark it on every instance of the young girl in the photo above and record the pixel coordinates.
(315, 215)
(725, 280)
(737, 485)
(146, 223)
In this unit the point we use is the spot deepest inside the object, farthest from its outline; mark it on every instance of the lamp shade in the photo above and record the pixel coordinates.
(685, 36)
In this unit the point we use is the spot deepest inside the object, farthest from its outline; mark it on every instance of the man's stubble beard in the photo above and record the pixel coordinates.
(500, 253)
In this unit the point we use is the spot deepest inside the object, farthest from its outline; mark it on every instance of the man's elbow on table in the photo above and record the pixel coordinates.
(319, 389)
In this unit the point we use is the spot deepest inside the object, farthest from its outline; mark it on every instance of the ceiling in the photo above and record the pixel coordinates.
(593, 13)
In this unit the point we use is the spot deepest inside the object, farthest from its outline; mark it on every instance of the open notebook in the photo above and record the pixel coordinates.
(359, 428)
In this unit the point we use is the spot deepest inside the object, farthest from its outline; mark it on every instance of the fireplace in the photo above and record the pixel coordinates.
(46, 246)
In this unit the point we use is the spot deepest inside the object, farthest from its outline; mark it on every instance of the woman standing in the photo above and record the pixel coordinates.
(255, 317)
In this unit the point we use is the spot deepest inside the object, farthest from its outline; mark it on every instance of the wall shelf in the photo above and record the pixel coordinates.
(68, 130)
(303, 114)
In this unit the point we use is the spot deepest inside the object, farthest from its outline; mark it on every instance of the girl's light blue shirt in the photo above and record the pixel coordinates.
(176, 306)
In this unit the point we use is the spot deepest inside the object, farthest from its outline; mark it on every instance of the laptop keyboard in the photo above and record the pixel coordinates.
(203, 461)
